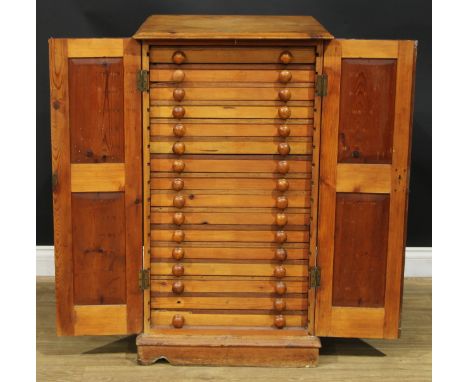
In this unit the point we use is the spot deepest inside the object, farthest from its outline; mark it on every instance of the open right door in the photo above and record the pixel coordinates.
(364, 178)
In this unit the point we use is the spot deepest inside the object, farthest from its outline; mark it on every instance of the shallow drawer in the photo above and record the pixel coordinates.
(268, 287)
(229, 165)
(230, 147)
(231, 54)
(208, 129)
(205, 198)
(194, 250)
(231, 93)
(226, 236)
(194, 318)
(231, 75)
(220, 111)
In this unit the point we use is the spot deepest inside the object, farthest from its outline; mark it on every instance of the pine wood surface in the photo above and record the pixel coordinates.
(113, 358)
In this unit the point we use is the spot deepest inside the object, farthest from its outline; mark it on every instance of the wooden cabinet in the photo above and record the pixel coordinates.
(230, 187)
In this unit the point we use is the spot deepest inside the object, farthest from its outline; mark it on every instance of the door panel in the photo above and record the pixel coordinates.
(364, 175)
(97, 181)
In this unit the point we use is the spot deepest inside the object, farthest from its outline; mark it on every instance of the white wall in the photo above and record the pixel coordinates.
(418, 261)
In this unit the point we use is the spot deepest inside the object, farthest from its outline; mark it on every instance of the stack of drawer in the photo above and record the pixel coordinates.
(231, 148)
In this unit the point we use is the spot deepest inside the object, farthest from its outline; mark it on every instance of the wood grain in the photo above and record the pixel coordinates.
(100, 177)
(219, 27)
(95, 47)
(370, 178)
(96, 110)
(100, 320)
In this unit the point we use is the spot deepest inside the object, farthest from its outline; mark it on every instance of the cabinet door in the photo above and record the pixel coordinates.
(364, 174)
(97, 190)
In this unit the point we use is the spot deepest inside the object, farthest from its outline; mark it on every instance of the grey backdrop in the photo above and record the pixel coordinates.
(370, 19)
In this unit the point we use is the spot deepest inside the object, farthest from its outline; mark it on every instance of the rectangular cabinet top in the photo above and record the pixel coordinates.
(231, 27)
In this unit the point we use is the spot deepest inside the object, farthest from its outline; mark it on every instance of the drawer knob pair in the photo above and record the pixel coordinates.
(284, 95)
(283, 148)
(285, 76)
(279, 271)
(280, 287)
(178, 287)
(178, 112)
(178, 321)
(284, 112)
(281, 236)
(281, 202)
(178, 270)
(179, 201)
(280, 321)
(283, 167)
(179, 57)
(178, 236)
(178, 94)
(178, 253)
(281, 254)
(285, 57)
(178, 218)
(179, 130)
(178, 166)
(178, 75)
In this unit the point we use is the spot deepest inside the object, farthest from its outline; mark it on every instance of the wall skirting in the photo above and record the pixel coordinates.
(418, 261)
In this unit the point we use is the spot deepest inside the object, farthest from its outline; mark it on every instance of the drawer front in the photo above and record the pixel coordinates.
(231, 55)
(231, 164)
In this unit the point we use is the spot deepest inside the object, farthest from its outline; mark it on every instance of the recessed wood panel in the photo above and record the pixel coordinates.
(96, 110)
(360, 258)
(367, 110)
(98, 224)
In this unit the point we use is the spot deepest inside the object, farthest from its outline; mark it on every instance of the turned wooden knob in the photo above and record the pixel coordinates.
(178, 218)
(285, 57)
(179, 201)
(280, 321)
(281, 202)
(285, 76)
(178, 94)
(178, 75)
(281, 236)
(283, 148)
(178, 253)
(178, 236)
(178, 270)
(281, 219)
(178, 287)
(284, 131)
(178, 112)
(178, 165)
(178, 184)
(283, 167)
(284, 95)
(280, 287)
(284, 112)
(281, 254)
(179, 148)
(279, 304)
(279, 271)
(179, 130)
(281, 184)
(178, 321)
(179, 57)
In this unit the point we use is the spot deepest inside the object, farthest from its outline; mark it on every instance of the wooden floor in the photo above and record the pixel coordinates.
(113, 358)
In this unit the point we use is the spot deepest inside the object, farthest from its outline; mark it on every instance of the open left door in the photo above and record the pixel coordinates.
(364, 178)
(97, 185)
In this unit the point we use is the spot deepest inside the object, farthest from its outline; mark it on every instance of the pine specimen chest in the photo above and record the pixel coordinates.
(230, 187)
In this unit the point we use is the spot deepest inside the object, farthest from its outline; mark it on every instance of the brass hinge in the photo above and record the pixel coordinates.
(144, 279)
(143, 80)
(321, 85)
(314, 280)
